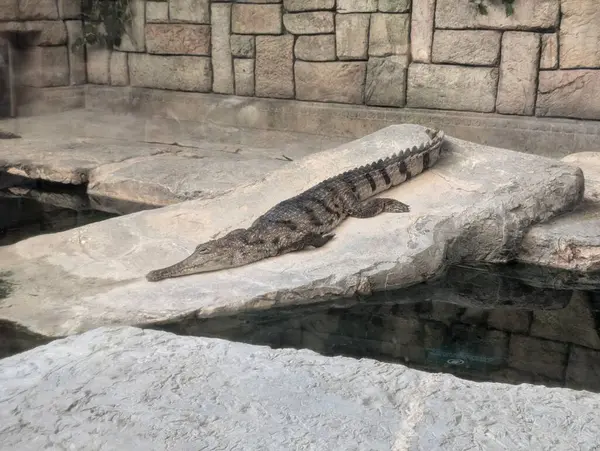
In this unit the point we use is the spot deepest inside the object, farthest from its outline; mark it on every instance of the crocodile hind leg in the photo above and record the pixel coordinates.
(374, 207)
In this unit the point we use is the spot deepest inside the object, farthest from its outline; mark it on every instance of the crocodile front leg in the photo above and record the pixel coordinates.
(311, 239)
(317, 239)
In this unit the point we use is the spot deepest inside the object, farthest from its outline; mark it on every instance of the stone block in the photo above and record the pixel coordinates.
(77, 64)
(244, 76)
(196, 11)
(518, 73)
(580, 34)
(274, 67)
(509, 320)
(443, 312)
(573, 324)
(42, 67)
(569, 93)
(12, 26)
(451, 87)
(69, 9)
(341, 82)
(421, 30)
(356, 6)
(403, 336)
(308, 5)
(38, 9)
(352, 36)
(389, 34)
(43, 32)
(256, 19)
(549, 57)
(472, 47)
(98, 65)
(583, 369)
(474, 316)
(178, 39)
(394, 6)
(182, 73)
(36, 32)
(222, 64)
(528, 15)
(317, 22)
(9, 9)
(477, 344)
(119, 69)
(434, 334)
(319, 47)
(134, 38)
(242, 46)
(386, 81)
(539, 357)
(157, 12)
(52, 100)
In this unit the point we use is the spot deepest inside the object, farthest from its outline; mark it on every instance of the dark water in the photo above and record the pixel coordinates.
(502, 323)
(33, 207)
(505, 323)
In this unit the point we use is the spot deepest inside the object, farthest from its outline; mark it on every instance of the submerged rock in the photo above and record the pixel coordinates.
(125, 388)
(474, 205)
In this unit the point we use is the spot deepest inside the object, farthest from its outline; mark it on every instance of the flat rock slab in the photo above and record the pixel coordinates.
(125, 388)
(152, 161)
(571, 241)
(154, 174)
(474, 204)
(163, 179)
(68, 160)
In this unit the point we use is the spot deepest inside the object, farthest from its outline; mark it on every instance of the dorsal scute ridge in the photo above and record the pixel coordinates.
(435, 138)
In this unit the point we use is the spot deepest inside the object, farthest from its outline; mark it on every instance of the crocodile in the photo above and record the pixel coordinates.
(305, 220)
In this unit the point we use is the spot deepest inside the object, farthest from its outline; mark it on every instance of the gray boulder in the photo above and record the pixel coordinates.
(475, 204)
(125, 388)
(572, 241)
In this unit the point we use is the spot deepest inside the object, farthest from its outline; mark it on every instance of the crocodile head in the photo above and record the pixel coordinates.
(230, 251)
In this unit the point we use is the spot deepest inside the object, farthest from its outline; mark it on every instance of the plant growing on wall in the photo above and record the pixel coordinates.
(104, 22)
(482, 8)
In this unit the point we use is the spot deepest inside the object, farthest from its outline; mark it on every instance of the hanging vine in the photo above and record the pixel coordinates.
(482, 8)
(104, 22)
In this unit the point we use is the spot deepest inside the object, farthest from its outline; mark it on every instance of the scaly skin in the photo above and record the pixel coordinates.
(306, 219)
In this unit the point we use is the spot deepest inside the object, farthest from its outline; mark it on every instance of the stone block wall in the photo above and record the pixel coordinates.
(543, 60)
(41, 32)
(36, 37)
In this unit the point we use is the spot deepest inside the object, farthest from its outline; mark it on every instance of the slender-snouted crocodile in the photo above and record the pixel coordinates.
(306, 219)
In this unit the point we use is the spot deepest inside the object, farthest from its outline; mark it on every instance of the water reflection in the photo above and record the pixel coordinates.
(507, 323)
(504, 323)
(34, 207)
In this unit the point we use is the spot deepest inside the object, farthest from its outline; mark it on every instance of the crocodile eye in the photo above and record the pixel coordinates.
(202, 248)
